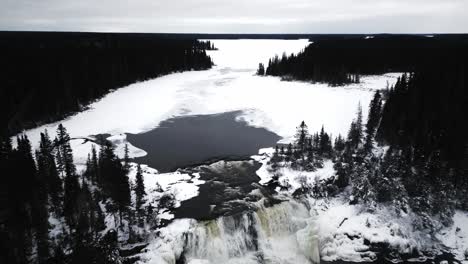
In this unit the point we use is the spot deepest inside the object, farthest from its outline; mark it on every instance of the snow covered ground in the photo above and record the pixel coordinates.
(290, 177)
(181, 186)
(347, 231)
(231, 85)
(456, 236)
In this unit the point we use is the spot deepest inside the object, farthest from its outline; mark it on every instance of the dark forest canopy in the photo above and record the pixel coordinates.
(339, 61)
(47, 185)
(46, 76)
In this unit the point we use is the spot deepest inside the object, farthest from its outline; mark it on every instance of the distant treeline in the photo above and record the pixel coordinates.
(207, 45)
(46, 76)
(339, 61)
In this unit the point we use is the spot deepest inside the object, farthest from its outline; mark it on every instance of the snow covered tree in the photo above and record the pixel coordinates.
(360, 177)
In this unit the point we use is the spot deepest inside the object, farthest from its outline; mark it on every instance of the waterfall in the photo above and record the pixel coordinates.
(283, 233)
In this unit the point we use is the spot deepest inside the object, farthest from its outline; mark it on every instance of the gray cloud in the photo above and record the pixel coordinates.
(240, 16)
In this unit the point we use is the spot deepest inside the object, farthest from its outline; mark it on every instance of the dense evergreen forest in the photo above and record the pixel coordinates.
(423, 119)
(47, 188)
(339, 61)
(46, 76)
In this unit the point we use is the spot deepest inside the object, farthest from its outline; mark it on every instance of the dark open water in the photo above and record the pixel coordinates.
(189, 140)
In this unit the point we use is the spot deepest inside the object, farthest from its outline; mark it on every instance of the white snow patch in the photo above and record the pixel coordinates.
(56, 226)
(456, 236)
(181, 185)
(288, 176)
(120, 140)
(81, 149)
(166, 215)
(168, 245)
(344, 228)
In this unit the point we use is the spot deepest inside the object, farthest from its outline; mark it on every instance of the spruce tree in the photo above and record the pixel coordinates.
(88, 171)
(339, 144)
(26, 168)
(114, 179)
(98, 221)
(67, 168)
(325, 146)
(126, 160)
(359, 122)
(282, 152)
(86, 215)
(316, 141)
(355, 132)
(261, 69)
(65, 151)
(301, 136)
(373, 119)
(289, 150)
(94, 166)
(47, 170)
(21, 201)
(71, 203)
(139, 189)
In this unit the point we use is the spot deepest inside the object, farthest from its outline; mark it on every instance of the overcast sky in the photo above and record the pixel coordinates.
(237, 16)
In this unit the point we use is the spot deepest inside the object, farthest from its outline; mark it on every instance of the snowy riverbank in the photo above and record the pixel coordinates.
(288, 232)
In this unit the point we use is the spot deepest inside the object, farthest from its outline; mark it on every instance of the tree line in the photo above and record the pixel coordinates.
(207, 45)
(39, 188)
(47, 76)
(339, 61)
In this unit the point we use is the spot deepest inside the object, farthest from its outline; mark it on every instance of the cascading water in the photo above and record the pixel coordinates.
(283, 233)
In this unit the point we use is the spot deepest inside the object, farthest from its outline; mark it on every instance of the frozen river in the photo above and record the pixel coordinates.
(231, 85)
